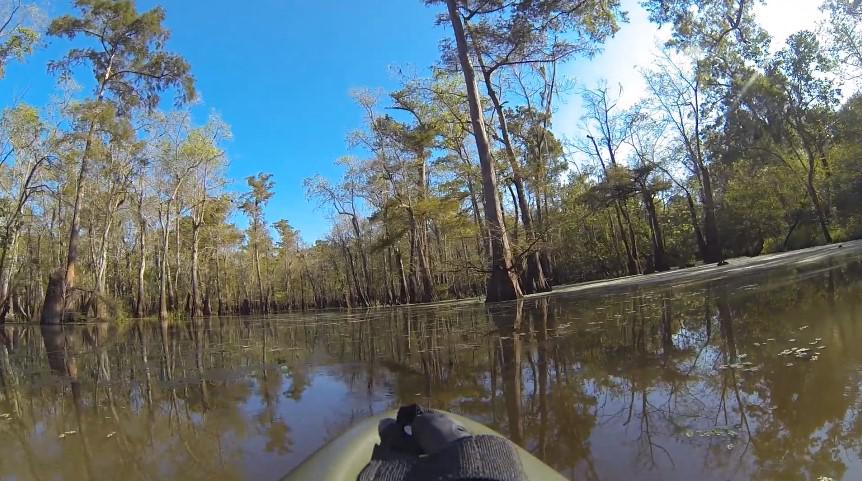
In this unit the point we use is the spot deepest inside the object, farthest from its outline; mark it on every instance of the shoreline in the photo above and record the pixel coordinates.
(735, 267)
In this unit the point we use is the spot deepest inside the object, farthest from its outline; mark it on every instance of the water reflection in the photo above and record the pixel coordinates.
(654, 384)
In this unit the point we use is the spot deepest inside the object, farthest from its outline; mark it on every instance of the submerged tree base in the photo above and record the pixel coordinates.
(502, 286)
(52, 310)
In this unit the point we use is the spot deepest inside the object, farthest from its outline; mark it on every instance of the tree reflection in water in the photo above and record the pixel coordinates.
(626, 385)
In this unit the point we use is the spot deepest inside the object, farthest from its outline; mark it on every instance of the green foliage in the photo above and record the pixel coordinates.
(17, 45)
(760, 206)
(19, 25)
(128, 61)
(845, 28)
(846, 159)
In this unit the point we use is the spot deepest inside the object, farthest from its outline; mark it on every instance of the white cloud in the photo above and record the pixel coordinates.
(781, 18)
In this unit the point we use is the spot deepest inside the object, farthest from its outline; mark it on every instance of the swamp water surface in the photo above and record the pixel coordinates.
(748, 378)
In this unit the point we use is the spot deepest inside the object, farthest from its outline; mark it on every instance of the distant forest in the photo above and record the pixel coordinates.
(112, 207)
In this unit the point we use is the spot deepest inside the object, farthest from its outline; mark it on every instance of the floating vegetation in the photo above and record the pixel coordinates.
(804, 353)
(717, 432)
(742, 366)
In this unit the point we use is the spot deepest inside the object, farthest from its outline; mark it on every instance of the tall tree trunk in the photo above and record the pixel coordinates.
(822, 218)
(615, 241)
(366, 273)
(695, 223)
(102, 263)
(711, 242)
(710, 224)
(516, 217)
(221, 307)
(626, 233)
(11, 235)
(7, 267)
(632, 241)
(404, 286)
(544, 257)
(387, 272)
(75, 224)
(50, 313)
(142, 246)
(474, 203)
(502, 281)
(175, 276)
(256, 254)
(302, 304)
(142, 267)
(421, 267)
(425, 276)
(194, 304)
(412, 273)
(656, 237)
(631, 259)
(163, 267)
(534, 276)
(287, 286)
(351, 268)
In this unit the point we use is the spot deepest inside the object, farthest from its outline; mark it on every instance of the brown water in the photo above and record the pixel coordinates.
(628, 385)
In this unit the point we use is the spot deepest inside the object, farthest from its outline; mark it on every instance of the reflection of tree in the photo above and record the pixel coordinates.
(566, 411)
(666, 324)
(554, 373)
(269, 382)
(725, 325)
(812, 405)
(299, 381)
(139, 393)
(65, 365)
(508, 323)
(542, 341)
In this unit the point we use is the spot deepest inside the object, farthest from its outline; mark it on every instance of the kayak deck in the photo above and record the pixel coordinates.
(344, 457)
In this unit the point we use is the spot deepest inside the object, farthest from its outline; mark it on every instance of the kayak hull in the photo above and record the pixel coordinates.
(343, 458)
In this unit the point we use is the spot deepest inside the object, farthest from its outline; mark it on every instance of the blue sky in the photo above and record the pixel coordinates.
(280, 73)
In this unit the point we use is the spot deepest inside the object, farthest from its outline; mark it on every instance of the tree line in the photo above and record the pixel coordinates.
(115, 202)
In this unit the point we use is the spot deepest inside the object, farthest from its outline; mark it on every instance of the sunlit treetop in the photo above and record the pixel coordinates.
(126, 53)
(18, 32)
(536, 31)
(710, 26)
